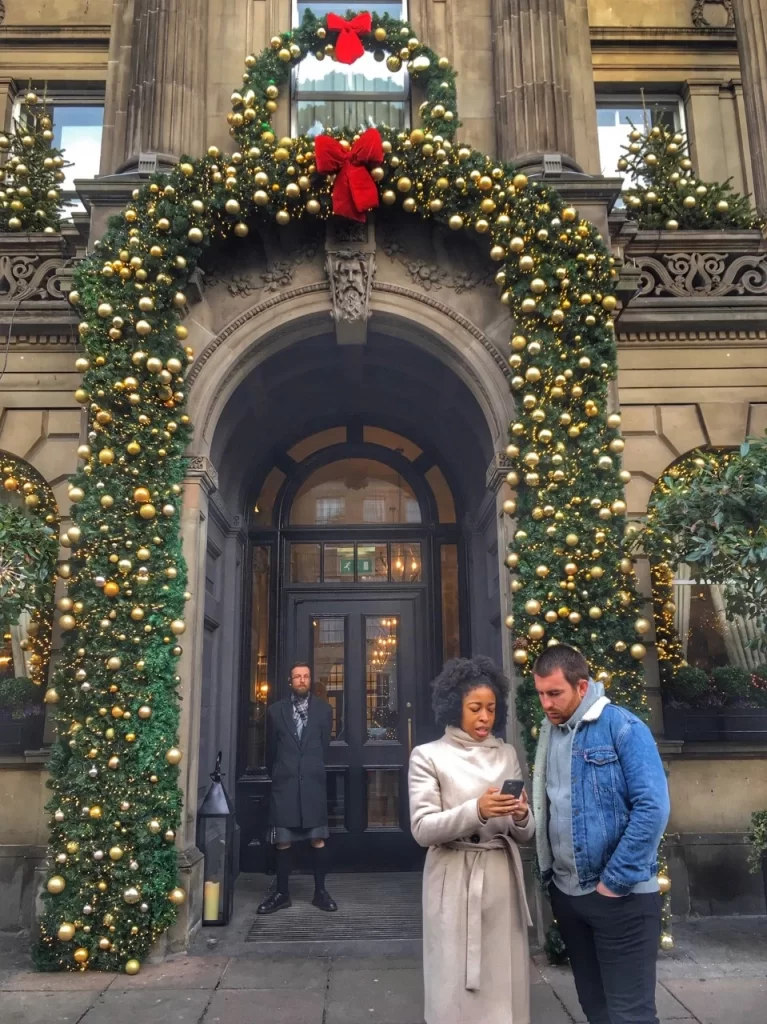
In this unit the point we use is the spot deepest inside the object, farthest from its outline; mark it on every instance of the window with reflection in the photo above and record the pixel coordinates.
(363, 95)
(451, 633)
(382, 700)
(329, 666)
(355, 492)
(259, 687)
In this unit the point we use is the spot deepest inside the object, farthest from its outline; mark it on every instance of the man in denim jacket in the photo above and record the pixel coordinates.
(600, 800)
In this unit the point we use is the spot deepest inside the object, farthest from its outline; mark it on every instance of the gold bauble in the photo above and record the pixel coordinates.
(542, 571)
(116, 853)
(173, 756)
(620, 646)
(571, 568)
(638, 651)
(105, 310)
(132, 967)
(666, 941)
(509, 507)
(143, 327)
(282, 217)
(642, 626)
(147, 511)
(536, 631)
(145, 711)
(456, 222)
(81, 955)
(131, 894)
(106, 456)
(95, 812)
(177, 896)
(625, 565)
(520, 657)
(664, 883)
(111, 589)
(52, 694)
(67, 622)
(569, 213)
(195, 235)
(114, 664)
(404, 185)
(66, 931)
(178, 626)
(56, 884)
(595, 612)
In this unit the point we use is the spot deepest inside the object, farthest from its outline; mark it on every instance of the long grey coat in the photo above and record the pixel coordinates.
(476, 958)
(299, 796)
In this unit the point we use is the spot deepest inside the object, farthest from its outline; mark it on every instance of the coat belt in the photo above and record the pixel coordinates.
(474, 899)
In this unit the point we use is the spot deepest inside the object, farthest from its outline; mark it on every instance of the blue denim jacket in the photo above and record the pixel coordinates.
(620, 800)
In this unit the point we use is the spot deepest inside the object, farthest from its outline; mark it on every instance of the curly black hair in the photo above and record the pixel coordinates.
(457, 678)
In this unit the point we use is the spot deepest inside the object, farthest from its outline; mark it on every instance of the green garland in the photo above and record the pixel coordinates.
(28, 552)
(114, 787)
(668, 194)
(31, 173)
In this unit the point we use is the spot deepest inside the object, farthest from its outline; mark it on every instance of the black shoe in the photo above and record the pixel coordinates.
(324, 901)
(273, 902)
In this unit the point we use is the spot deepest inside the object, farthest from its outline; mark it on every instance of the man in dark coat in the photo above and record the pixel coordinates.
(298, 731)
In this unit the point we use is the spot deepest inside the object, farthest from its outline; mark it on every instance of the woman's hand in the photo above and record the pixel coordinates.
(521, 809)
(493, 804)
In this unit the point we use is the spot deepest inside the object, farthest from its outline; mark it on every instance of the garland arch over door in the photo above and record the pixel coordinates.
(556, 277)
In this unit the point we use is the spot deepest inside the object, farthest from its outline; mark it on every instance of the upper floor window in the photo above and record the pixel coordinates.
(354, 491)
(78, 123)
(365, 94)
(617, 115)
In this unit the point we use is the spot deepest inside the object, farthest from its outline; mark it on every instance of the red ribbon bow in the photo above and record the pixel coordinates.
(354, 192)
(349, 45)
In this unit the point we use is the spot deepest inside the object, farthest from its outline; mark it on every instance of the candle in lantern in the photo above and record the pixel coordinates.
(210, 901)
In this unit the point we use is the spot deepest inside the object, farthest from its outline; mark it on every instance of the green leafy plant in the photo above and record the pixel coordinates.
(713, 516)
(20, 696)
(688, 685)
(733, 682)
(28, 551)
(757, 840)
(667, 193)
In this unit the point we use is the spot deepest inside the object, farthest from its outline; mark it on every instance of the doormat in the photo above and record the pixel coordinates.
(371, 907)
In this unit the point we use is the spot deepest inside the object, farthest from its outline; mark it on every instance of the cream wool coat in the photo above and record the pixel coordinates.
(475, 916)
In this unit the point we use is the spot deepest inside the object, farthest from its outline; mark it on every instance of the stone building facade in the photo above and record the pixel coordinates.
(372, 366)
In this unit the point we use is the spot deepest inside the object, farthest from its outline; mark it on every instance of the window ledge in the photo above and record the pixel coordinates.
(30, 760)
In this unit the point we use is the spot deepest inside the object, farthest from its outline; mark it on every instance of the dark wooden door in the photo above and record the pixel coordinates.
(366, 658)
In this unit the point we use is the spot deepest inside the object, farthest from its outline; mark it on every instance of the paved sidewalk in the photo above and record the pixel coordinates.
(716, 974)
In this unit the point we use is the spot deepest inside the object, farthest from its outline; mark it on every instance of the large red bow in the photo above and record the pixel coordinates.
(349, 45)
(354, 192)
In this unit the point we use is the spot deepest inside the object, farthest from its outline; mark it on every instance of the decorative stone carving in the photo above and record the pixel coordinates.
(432, 276)
(199, 467)
(702, 274)
(2, 11)
(496, 471)
(350, 273)
(27, 277)
(276, 278)
(699, 18)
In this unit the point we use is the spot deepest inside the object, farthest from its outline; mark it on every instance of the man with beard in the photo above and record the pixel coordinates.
(298, 734)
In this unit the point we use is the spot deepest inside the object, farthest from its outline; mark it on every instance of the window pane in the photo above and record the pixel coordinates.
(263, 511)
(451, 633)
(304, 563)
(322, 7)
(329, 666)
(365, 75)
(442, 495)
(339, 563)
(372, 563)
(383, 799)
(7, 670)
(382, 700)
(614, 123)
(259, 663)
(406, 563)
(354, 491)
(388, 439)
(313, 117)
(316, 442)
(77, 130)
(336, 783)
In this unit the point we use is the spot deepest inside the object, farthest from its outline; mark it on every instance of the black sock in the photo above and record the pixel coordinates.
(284, 864)
(320, 862)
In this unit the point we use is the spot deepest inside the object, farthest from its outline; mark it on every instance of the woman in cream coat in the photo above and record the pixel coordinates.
(476, 959)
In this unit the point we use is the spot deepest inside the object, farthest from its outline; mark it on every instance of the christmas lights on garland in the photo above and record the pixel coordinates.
(668, 194)
(113, 885)
(27, 541)
(31, 172)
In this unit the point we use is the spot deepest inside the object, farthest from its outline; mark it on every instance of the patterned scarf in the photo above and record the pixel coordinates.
(300, 712)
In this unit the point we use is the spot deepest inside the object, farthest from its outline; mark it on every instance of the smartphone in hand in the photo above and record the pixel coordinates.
(513, 787)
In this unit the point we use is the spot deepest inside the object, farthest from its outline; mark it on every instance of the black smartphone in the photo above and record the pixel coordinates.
(513, 787)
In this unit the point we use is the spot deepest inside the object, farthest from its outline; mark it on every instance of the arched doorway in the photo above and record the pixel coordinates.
(361, 473)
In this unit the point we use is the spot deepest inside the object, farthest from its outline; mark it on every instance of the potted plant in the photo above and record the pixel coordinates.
(757, 840)
(729, 705)
(21, 715)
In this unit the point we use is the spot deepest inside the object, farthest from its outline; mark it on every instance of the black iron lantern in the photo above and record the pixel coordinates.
(215, 839)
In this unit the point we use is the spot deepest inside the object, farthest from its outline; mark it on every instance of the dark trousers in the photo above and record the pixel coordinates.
(613, 948)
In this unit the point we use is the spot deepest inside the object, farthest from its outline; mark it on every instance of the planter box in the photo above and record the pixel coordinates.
(20, 734)
(736, 725)
(764, 877)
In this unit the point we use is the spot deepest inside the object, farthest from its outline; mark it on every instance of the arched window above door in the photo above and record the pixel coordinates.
(355, 491)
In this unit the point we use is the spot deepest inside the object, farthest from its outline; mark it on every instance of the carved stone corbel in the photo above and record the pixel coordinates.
(350, 265)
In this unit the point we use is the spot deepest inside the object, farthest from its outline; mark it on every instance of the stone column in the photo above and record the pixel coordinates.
(165, 110)
(532, 83)
(751, 28)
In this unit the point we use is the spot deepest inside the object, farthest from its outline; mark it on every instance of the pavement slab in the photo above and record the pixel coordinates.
(259, 973)
(148, 1006)
(380, 994)
(44, 1007)
(724, 999)
(245, 1006)
(561, 981)
(181, 972)
(63, 981)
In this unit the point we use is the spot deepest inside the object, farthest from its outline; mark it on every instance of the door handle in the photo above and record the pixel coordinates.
(409, 729)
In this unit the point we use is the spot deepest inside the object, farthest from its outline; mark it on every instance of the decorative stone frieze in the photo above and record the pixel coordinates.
(35, 280)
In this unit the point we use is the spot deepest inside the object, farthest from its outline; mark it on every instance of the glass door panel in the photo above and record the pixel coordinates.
(329, 665)
(382, 700)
